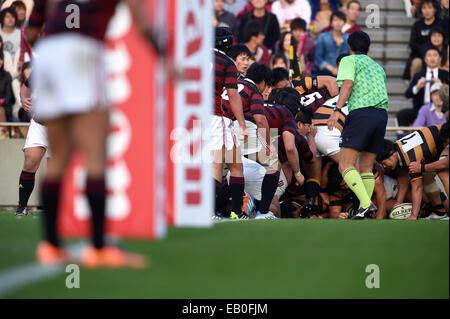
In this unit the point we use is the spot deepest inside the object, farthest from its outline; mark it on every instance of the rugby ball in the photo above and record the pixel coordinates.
(401, 211)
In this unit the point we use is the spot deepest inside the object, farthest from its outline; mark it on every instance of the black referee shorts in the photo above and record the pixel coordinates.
(364, 130)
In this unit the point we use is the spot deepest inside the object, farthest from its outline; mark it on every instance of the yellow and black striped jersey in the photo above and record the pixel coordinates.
(422, 146)
(323, 113)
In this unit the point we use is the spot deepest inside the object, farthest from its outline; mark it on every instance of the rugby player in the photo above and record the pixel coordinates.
(422, 146)
(224, 144)
(240, 54)
(35, 148)
(69, 79)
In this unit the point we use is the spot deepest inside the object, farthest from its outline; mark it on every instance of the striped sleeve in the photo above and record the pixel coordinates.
(230, 77)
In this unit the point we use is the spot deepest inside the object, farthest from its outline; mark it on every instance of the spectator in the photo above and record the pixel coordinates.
(444, 63)
(235, 6)
(279, 60)
(419, 87)
(249, 7)
(305, 46)
(353, 9)
(444, 10)
(29, 4)
(321, 13)
(268, 21)
(7, 98)
(254, 39)
(225, 18)
(437, 39)
(330, 45)
(241, 57)
(284, 45)
(431, 114)
(9, 32)
(288, 10)
(414, 7)
(420, 37)
(21, 11)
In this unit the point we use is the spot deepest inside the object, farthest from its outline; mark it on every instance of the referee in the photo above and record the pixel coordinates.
(363, 84)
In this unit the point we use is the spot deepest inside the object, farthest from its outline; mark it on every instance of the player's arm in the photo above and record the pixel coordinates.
(328, 82)
(403, 184)
(344, 94)
(380, 195)
(25, 97)
(416, 192)
(139, 11)
(437, 166)
(292, 155)
(263, 128)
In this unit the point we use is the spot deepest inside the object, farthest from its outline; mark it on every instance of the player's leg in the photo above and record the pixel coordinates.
(444, 176)
(237, 182)
(221, 188)
(269, 186)
(312, 184)
(89, 132)
(48, 251)
(33, 157)
(366, 161)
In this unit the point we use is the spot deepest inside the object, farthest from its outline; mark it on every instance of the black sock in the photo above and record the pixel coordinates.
(50, 200)
(26, 186)
(222, 192)
(312, 188)
(439, 209)
(237, 192)
(268, 188)
(96, 194)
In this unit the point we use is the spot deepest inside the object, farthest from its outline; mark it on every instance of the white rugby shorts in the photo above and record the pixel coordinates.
(221, 133)
(37, 137)
(68, 76)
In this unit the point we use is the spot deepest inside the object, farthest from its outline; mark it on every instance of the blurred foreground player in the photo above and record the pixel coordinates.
(69, 77)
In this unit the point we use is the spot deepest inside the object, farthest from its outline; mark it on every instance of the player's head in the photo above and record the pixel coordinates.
(388, 158)
(8, 17)
(224, 39)
(432, 56)
(279, 60)
(254, 31)
(288, 97)
(280, 78)
(259, 74)
(359, 42)
(304, 120)
(339, 58)
(241, 56)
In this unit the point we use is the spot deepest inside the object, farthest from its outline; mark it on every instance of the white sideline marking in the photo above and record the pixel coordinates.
(16, 278)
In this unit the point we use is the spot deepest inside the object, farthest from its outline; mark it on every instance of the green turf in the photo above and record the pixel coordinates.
(259, 259)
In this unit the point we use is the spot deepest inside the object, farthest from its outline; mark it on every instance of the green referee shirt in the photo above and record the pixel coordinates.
(369, 82)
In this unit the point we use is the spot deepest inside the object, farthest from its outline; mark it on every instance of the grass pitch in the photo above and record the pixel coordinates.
(256, 259)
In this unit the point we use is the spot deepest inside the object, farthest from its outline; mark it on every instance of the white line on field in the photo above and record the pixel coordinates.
(14, 279)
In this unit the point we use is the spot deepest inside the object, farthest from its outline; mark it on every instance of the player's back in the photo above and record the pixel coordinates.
(323, 113)
(252, 99)
(423, 145)
(93, 20)
(278, 116)
(225, 76)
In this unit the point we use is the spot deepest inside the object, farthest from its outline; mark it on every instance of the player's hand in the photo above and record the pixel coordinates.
(415, 167)
(412, 218)
(243, 133)
(343, 216)
(172, 71)
(325, 198)
(332, 120)
(421, 83)
(26, 103)
(312, 131)
(300, 179)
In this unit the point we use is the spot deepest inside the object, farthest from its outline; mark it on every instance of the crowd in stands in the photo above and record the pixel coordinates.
(15, 53)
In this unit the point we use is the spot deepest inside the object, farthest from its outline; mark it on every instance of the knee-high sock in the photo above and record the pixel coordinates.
(355, 183)
(369, 182)
(50, 200)
(96, 194)
(268, 188)
(26, 186)
(222, 190)
(237, 192)
(312, 188)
